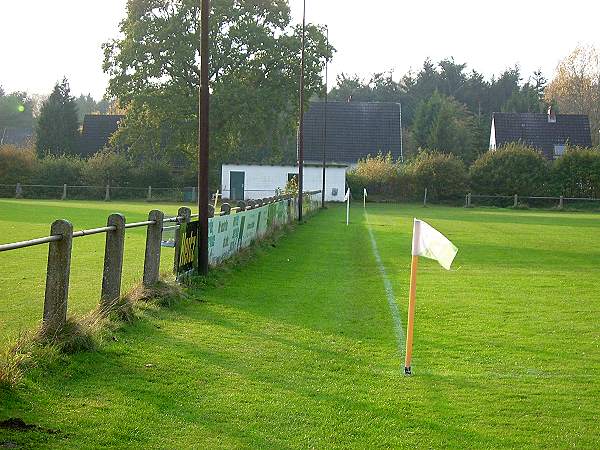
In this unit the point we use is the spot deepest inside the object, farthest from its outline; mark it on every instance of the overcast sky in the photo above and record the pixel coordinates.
(43, 40)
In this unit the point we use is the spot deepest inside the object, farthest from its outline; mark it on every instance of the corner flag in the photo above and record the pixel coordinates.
(429, 243)
(364, 197)
(347, 200)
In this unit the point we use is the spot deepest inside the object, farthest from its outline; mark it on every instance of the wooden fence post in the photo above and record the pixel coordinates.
(516, 202)
(185, 214)
(107, 195)
(561, 202)
(19, 191)
(57, 277)
(425, 198)
(64, 194)
(469, 204)
(113, 262)
(152, 258)
(149, 193)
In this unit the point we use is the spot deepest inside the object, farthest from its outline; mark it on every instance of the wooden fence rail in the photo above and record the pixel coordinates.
(60, 243)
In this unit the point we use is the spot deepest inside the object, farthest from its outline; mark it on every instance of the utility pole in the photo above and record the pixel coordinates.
(203, 140)
(301, 124)
(325, 122)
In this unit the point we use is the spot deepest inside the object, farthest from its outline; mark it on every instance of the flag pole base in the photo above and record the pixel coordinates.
(407, 371)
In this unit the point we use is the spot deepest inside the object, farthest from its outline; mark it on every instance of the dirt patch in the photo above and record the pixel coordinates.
(16, 424)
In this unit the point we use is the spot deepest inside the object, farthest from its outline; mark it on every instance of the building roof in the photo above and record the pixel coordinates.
(537, 131)
(16, 136)
(354, 130)
(96, 133)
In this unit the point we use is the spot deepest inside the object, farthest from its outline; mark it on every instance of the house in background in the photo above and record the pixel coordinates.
(550, 133)
(19, 137)
(244, 182)
(96, 132)
(354, 131)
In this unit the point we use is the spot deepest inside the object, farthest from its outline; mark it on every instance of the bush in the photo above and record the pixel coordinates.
(378, 174)
(17, 165)
(444, 175)
(153, 173)
(512, 169)
(108, 167)
(59, 170)
(577, 173)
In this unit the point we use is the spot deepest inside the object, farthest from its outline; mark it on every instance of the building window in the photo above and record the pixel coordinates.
(559, 150)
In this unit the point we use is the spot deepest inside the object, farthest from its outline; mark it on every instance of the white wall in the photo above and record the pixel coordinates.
(262, 181)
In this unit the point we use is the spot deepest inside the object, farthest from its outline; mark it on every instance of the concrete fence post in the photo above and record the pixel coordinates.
(64, 194)
(107, 195)
(561, 202)
(57, 277)
(113, 261)
(152, 258)
(516, 202)
(425, 198)
(185, 214)
(194, 199)
(19, 191)
(469, 200)
(149, 193)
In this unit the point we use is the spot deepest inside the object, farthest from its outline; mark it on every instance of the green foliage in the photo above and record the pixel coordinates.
(16, 111)
(154, 73)
(444, 124)
(378, 174)
(512, 169)
(155, 173)
(58, 128)
(577, 173)
(59, 170)
(17, 165)
(444, 175)
(108, 167)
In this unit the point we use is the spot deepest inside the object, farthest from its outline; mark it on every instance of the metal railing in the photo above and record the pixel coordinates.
(557, 202)
(60, 249)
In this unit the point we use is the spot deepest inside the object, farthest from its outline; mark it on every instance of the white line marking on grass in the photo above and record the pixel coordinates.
(389, 290)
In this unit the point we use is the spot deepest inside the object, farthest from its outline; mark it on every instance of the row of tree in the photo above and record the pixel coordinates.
(513, 169)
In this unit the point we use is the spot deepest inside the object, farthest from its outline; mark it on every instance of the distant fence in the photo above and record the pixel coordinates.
(516, 201)
(61, 238)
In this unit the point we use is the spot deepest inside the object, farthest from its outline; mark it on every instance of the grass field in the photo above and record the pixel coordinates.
(296, 349)
(24, 271)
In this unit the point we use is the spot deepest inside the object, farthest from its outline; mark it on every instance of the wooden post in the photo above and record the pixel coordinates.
(152, 257)
(107, 195)
(469, 199)
(57, 277)
(561, 202)
(149, 193)
(19, 191)
(185, 215)
(64, 194)
(425, 199)
(114, 250)
(516, 202)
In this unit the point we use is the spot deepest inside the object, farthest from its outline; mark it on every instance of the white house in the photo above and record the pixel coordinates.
(245, 182)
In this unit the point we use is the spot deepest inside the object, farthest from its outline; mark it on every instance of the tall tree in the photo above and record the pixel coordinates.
(576, 86)
(253, 79)
(57, 128)
(442, 123)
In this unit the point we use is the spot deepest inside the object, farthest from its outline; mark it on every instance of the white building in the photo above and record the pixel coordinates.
(252, 182)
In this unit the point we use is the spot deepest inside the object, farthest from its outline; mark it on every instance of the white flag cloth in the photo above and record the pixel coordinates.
(430, 243)
(347, 196)
(365, 191)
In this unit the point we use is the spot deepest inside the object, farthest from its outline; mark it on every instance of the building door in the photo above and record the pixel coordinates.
(236, 182)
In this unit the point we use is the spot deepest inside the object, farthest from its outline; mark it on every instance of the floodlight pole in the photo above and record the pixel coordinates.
(203, 140)
(301, 123)
(325, 121)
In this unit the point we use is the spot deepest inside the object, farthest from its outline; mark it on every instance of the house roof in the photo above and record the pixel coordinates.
(16, 136)
(96, 133)
(354, 130)
(535, 130)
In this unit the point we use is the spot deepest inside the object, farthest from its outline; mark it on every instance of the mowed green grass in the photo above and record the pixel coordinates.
(296, 349)
(23, 271)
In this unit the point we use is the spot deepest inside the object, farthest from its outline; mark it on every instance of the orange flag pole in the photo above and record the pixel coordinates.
(412, 296)
(411, 314)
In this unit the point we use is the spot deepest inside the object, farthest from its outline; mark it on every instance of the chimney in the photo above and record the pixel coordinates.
(551, 115)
